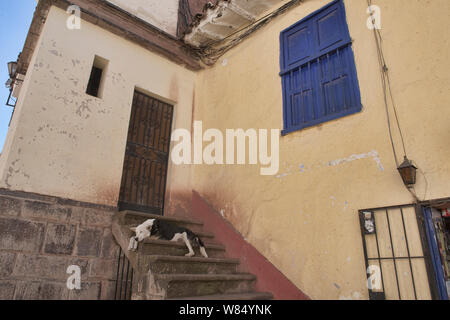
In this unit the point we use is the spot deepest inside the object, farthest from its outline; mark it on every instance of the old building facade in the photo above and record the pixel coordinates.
(344, 92)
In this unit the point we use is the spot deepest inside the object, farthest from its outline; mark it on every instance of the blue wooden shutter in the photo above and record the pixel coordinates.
(298, 48)
(336, 60)
(317, 68)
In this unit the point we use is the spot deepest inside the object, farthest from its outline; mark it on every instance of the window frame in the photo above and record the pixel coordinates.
(284, 69)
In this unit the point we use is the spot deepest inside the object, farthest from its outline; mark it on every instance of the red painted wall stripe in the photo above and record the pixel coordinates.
(269, 278)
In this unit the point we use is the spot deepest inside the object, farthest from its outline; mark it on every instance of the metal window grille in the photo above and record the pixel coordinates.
(396, 255)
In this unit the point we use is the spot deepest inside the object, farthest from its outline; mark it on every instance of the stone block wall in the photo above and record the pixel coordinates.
(40, 237)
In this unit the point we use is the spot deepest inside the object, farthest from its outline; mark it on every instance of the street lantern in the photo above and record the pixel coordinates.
(12, 68)
(407, 171)
(8, 83)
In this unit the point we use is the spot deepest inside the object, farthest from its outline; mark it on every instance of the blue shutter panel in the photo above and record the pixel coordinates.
(299, 44)
(335, 81)
(305, 106)
(331, 29)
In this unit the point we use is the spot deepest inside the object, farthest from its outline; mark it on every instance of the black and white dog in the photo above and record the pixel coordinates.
(161, 229)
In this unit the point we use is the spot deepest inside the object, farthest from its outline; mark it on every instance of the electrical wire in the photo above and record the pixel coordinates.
(426, 183)
(387, 90)
(387, 87)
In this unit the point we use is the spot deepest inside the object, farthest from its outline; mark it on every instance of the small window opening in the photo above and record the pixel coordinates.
(96, 79)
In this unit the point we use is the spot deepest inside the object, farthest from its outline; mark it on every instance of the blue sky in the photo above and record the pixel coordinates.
(15, 19)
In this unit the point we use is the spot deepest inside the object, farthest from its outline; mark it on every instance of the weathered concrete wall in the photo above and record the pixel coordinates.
(304, 219)
(161, 14)
(40, 237)
(65, 143)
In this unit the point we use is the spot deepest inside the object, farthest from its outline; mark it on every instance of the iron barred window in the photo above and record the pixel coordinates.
(318, 70)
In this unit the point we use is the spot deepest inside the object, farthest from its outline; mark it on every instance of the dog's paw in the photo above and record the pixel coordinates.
(203, 252)
(133, 244)
(130, 245)
(191, 254)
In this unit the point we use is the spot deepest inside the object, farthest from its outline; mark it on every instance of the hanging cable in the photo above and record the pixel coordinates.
(387, 87)
(395, 113)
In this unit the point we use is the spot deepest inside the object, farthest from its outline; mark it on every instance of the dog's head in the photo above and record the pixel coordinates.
(143, 230)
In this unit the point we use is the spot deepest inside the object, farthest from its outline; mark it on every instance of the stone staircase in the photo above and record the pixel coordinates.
(161, 271)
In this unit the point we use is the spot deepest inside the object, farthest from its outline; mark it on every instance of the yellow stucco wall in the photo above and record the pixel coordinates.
(65, 143)
(304, 220)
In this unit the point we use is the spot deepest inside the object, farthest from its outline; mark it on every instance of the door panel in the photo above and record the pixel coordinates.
(147, 155)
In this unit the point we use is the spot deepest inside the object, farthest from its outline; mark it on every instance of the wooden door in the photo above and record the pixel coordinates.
(147, 155)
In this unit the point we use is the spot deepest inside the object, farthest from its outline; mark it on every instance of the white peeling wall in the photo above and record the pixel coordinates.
(65, 143)
(161, 14)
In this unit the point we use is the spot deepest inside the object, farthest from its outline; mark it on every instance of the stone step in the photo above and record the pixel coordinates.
(163, 271)
(163, 264)
(171, 248)
(187, 285)
(232, 296)
(136, 218)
